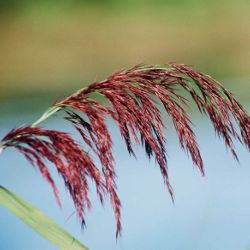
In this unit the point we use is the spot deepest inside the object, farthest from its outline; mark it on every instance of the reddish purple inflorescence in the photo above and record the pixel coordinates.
(72, 162)
(131, 97)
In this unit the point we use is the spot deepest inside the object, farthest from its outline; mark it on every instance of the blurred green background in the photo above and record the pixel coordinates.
(50, 48)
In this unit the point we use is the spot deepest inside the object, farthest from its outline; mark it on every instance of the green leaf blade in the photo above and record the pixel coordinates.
(38, 221)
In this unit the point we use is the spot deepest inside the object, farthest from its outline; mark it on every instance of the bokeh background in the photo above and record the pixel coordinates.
(48, 49)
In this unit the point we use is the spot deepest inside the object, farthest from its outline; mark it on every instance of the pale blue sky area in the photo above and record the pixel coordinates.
(210, 213)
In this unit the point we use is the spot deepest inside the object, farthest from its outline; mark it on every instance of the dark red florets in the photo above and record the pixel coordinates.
(71, 161)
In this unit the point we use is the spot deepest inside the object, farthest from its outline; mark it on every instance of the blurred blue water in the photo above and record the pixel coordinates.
(209, 213)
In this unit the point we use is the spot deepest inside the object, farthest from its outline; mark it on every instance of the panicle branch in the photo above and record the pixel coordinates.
(72, 162)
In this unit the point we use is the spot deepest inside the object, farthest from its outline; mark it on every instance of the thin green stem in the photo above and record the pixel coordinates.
(53, 109)
(49, 112)
(141, 69)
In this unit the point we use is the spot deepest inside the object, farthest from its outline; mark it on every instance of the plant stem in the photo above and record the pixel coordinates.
(53, 109)
(49, 112)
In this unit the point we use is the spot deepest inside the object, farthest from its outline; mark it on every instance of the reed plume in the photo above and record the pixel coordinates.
(132, 97)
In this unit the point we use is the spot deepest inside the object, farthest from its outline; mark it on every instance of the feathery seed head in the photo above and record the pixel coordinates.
(130, 96)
